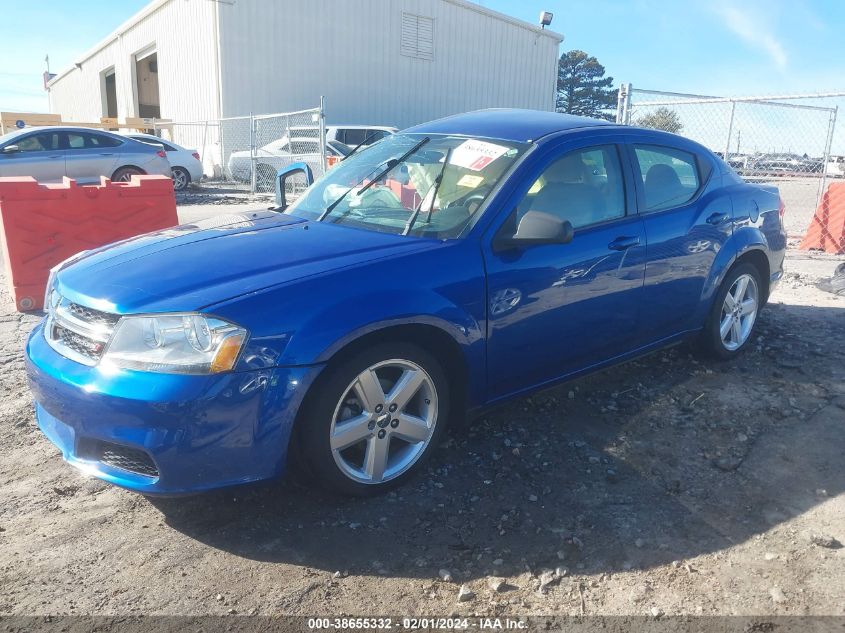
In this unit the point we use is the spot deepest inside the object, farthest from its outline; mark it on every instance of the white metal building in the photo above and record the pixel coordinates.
(387, 62)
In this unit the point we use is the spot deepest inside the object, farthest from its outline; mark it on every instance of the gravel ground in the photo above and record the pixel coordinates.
(669, 485)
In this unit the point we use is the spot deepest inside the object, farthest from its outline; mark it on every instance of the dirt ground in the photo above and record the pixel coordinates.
(670, 485)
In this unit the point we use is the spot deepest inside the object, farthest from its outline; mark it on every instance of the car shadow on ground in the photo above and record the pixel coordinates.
(662, 459)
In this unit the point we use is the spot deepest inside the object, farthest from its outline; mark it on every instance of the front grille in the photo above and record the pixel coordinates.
(77, 342)
(76, 331)
(95, 317)
(132, 460)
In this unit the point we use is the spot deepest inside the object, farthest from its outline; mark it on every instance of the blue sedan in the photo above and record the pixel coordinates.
(439, 272)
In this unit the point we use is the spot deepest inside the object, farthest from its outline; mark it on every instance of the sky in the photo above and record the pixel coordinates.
(716, 48)
(711, 47)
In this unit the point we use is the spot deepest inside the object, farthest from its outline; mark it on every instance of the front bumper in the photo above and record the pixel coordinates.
(188, 433)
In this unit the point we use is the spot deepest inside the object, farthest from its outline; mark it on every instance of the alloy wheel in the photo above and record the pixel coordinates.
(739, 311)
(180, 180)
(384, 421)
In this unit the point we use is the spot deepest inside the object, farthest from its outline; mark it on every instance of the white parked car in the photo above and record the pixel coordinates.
(184, 163)
(354, 135)
(281, 153)
(835, 166)
(278, 153)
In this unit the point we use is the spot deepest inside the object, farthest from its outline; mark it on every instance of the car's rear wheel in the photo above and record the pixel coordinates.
(181, 179)
(374, 419)
(734, 313)
(124, 174)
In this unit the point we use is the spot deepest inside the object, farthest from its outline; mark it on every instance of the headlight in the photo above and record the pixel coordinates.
(175, 343)
(51, 278)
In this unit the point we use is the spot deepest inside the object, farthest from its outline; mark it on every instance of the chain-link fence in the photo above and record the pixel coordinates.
(246, 152)
(786, 140)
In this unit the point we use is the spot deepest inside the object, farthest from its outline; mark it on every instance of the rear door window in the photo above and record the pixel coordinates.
(76, 141)
(83, 140)
(101, 140)
(670, 177)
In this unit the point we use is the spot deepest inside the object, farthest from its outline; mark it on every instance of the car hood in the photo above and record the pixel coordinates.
(193, 266)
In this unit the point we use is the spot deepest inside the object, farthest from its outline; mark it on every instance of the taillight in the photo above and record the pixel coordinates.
(196, 155)
(162, 153)
(781, 209)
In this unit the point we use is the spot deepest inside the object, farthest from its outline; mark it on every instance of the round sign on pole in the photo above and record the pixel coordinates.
(20, 124)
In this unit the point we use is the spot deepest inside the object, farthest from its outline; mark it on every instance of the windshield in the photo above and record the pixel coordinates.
(421, 195)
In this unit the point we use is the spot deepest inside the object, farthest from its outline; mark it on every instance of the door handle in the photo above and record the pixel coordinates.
(624, 243)
(106, 153)
(718, 218)
(56, 156)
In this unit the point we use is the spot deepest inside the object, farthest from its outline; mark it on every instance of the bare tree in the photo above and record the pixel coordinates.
(662, 119)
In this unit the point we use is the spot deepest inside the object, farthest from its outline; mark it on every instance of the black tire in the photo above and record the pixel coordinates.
(711, 342)
(124, 174)
(314, 422)
(181, 178)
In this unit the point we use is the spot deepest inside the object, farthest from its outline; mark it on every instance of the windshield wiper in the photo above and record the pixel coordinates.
(381, 175)
(435, 186)
(392, 165)
(331, 207)
(359, 145)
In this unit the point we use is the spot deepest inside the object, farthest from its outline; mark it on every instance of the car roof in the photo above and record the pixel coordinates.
(61, 128)
(295, 139)
(146, 137)
(386, 128)
(507, 124)
(54, 128)
(152, 138)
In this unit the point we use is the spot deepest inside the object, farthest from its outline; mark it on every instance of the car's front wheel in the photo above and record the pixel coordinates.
(374, 418)
(734, 313)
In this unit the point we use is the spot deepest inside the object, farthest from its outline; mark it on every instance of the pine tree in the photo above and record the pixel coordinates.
(582, 87)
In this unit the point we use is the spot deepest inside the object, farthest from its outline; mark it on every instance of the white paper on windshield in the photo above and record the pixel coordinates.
(476, 155)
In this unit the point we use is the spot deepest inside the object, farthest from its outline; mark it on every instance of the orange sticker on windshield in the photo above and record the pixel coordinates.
(468, 180)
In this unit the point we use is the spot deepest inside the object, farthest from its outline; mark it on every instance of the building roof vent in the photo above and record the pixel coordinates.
(417, 36)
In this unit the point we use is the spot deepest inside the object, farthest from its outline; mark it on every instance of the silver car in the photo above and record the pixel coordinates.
(50, 153)
(185, 163)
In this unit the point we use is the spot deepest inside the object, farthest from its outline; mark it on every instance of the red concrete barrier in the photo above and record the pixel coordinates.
(42, 225)
(827, 230)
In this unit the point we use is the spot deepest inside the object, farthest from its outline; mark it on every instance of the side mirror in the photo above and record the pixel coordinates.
(11, 149)
(281, 181)
(536, 228)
